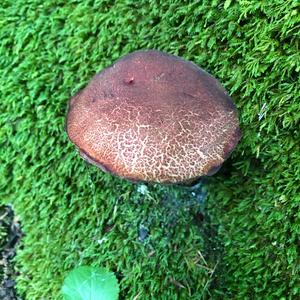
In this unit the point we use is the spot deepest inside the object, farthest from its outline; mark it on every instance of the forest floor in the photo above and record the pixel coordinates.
(9, 238)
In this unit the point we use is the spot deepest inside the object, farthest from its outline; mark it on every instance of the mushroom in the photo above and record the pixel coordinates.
(154, 117)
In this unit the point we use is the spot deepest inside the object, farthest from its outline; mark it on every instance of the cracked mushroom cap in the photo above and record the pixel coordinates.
(154, 117)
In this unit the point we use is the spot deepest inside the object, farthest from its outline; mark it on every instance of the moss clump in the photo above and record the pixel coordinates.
(73, 214)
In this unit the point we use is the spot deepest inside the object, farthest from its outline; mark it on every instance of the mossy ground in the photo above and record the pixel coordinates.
(74, 214)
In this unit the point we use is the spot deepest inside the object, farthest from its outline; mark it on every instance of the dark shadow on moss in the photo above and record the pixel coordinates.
(10, 235)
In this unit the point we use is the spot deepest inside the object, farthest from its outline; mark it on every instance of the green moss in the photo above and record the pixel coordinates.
(50, 49)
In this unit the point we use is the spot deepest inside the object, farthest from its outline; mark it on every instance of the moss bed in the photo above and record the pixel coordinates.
(242, 242)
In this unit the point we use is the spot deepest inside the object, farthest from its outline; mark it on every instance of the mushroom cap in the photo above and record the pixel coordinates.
(154, 117)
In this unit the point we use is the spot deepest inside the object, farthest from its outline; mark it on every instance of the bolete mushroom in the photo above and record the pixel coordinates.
(154, 117)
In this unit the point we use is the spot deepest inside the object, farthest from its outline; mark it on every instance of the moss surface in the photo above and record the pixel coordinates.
(73, 214)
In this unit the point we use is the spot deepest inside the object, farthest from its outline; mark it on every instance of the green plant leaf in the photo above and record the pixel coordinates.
(90, 283)
(227, 4)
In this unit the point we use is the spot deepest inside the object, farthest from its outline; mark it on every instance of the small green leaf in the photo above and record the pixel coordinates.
(90, 283)
(227, 4)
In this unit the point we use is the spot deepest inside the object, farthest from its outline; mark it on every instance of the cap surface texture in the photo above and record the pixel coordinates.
(154, 117)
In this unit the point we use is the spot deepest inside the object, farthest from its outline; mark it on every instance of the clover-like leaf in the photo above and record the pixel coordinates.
(90, 283)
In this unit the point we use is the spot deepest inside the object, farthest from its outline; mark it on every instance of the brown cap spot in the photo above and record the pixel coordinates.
(154, 117)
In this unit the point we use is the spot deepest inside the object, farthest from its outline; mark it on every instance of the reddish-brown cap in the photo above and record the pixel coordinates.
(154, 117)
